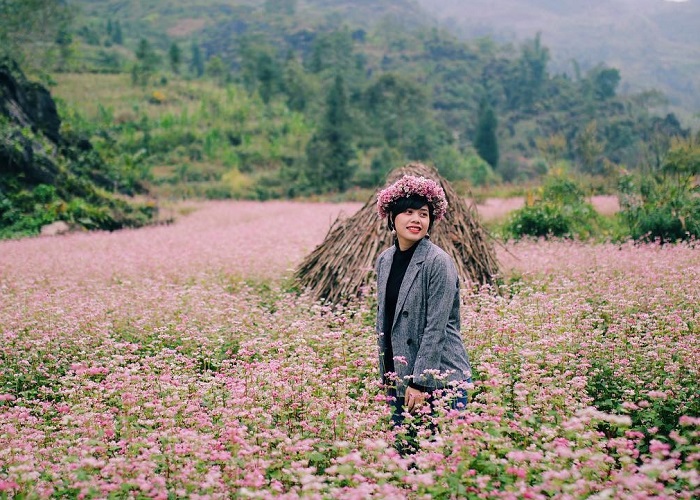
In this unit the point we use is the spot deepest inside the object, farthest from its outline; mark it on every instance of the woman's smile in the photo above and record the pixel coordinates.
(411, 226)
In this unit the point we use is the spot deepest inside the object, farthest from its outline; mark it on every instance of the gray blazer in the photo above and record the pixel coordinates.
(426, 337)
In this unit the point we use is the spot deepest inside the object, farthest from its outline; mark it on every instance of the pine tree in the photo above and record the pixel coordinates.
(330, 152)
(197, 63)
(117, 36)
(338, 136)
(486, 141)
(175, 56)
(147, 61)
(64, 40)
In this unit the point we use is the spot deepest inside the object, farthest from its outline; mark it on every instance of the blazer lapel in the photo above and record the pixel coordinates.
(410, 276)
(382, 279)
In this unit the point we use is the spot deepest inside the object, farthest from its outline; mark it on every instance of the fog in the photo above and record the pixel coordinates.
(655, 43)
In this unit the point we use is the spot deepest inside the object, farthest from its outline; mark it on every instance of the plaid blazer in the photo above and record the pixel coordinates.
(425, 337)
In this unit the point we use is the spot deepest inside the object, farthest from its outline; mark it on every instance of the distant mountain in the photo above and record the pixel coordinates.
(654, 43)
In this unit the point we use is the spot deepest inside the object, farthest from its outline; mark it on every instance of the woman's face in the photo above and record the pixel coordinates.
(411, 226)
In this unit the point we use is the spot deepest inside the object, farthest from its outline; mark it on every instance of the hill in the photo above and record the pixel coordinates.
(48, 175)
(654, 43)
(295, 98)
(371, 83)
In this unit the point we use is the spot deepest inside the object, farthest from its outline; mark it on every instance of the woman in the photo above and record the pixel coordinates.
(418, 323)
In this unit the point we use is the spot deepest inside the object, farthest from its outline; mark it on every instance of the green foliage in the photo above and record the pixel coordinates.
(260, 70)
(42, 182)
(590, 149)
(410, 92)
(24, 210)
(396, 107)
(486, 142)
(196, 60)
(32, 30)
(658, 414)
(175, 57)
(117, 36)
(457, 166)
(147, 61)
(539, 220)
(560, 211)
(330, 152)
(665, 205)
(605, 82)
(526, 79)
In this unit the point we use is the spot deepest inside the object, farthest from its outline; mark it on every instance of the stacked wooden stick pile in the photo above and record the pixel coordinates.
(343, 265)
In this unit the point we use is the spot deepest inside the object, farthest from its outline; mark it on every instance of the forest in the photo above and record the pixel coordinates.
(289, 99)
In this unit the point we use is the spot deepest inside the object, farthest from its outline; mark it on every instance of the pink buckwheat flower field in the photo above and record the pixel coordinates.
(177, 362)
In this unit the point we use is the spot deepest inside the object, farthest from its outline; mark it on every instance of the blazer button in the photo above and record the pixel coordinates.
(409, 342)
(404, 314)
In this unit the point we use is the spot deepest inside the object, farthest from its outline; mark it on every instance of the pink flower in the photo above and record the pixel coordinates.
(657, 394)
(401, 360)
(517, 471)
(8, 485)
(688, 420)
(409, 185)
(656, 446)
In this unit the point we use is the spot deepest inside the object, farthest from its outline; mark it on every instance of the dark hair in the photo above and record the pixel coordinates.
(415, 201)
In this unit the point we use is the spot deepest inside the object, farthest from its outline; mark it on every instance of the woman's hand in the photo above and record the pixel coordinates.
(414, 399)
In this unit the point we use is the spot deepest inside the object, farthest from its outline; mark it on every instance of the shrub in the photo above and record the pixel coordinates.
(560, 211)
(665, 205)
(541, 219)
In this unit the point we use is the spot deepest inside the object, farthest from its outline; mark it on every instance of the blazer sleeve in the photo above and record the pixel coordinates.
(442, 284)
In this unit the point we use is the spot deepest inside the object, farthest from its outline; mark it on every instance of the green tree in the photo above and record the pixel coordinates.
(486, 140)
(216, 69)
(330, 153)
(525, 84)
(261, 70)
(64, 40)
(392, 103)
(605, 82)
(269, 76)
(146, 62)
(299, 87)
(175, 57)
(589, 149)
(334, 54)
(196, 61)
(552, 148)
(665, 204)
(382, 164)
(117, 36)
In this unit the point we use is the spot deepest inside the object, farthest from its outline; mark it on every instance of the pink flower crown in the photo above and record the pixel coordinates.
(409, 185)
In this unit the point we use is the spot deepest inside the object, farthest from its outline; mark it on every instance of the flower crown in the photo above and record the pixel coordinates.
(409, 185)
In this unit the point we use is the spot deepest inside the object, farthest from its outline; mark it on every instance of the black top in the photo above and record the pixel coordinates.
(398, 270)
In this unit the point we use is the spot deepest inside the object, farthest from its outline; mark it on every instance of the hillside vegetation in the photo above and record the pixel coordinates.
(307, 98)
(654, 43)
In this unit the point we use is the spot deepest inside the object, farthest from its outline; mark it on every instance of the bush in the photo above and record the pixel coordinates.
(456, 167)
(561, 211)
(665, 206)
(539, 220)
